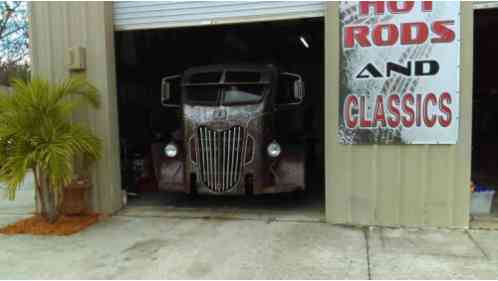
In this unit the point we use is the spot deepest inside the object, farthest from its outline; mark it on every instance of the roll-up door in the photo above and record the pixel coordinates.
(485, 5)
(148, 15)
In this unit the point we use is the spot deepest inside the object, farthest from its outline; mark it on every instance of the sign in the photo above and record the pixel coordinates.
(399, 72)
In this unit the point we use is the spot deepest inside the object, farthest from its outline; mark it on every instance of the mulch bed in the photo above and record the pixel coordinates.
(65, 225)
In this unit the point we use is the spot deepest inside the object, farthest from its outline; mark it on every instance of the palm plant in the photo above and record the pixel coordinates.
(37, 134)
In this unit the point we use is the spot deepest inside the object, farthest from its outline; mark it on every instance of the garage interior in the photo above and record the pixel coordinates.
(144, 57)
(485, 101)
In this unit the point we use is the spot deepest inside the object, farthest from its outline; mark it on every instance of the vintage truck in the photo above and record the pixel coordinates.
(242, 131)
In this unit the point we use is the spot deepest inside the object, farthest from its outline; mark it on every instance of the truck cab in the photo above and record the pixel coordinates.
(235, 138)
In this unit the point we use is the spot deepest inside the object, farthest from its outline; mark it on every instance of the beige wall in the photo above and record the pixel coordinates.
(57, 26)
(365, 184)
(397, 185)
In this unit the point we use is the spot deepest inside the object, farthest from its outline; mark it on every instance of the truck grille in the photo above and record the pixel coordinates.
(220, 157)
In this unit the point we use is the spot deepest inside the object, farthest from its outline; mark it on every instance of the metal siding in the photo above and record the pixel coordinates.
(376, 185)
(57, 26)
(415, 185)
(147, 15)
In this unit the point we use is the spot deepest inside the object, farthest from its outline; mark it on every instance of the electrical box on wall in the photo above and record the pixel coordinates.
(76, 58)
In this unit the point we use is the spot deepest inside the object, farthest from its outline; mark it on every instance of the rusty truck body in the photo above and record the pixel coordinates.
(235, 137)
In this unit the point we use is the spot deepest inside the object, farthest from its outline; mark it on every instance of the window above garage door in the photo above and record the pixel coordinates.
(148, 15)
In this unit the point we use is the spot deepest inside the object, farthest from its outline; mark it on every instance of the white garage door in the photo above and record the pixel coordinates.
(485, 5)
(147, 15)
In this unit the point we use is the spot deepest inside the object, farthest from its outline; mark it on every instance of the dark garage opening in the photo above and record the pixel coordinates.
(485, 102)
(144, 57)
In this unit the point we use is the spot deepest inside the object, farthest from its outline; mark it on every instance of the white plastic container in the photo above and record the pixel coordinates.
(480, 202)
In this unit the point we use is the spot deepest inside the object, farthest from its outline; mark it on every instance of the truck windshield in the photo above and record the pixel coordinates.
(240, 94)
(228, 87)
(204, 95)
(231, 94)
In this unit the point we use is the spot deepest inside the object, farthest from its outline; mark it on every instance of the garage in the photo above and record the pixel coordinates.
(372, 178)
(238, 41)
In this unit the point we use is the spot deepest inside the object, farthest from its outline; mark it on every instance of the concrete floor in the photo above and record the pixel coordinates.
(222, 240)
(308, 207)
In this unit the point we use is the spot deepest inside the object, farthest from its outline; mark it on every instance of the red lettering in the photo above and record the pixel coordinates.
(441, 29)
(429, 121)
(426, 6)
(409, 110)
(392, 35)
(444, 102)
(389, 34)
(358, 34)
(351, 121)
(393, 6)
(364, 122)
(405, 8)
(392, 105)
(421, 34)
(377, 5)
(379, 114)
(406, 104)
(418, 111)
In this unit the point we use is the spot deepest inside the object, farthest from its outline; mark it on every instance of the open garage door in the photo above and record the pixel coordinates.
(485, 5)
(146, 127)
(149, 15)
(484, 205)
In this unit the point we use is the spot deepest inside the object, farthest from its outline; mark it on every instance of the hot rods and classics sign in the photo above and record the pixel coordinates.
(399, 72)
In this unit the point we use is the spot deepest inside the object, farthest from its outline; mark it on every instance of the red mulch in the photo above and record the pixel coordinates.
(65, 225)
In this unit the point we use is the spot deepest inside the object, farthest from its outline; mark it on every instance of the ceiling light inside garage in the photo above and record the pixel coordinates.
(305, 43)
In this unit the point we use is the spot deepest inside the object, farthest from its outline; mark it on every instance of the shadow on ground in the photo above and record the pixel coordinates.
(307, 206)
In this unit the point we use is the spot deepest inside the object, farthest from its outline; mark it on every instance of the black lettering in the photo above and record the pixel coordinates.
(372, 72)
(426, 67)
(394, 67)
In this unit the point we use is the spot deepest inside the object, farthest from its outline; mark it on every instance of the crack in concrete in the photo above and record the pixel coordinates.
(367, 252)
(477, 245)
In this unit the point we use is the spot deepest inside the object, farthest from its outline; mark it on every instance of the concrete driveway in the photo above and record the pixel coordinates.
(211, 243)
(125, 247)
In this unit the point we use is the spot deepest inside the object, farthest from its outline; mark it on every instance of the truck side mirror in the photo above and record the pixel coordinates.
(167, 84)
(291, 89)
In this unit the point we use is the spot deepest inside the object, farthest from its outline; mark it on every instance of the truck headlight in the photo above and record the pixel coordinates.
(274, 149)
(171, 150)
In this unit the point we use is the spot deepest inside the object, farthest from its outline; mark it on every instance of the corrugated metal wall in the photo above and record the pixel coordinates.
(57, 26)
(397, 185)
(160, 14)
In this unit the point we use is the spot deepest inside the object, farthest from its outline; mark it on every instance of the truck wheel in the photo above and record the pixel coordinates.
(249, 186)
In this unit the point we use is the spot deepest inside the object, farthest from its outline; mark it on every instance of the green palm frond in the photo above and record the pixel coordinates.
(36, 130)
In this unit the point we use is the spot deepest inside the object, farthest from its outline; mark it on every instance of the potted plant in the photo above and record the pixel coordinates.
(75, 196)
(37, 134)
